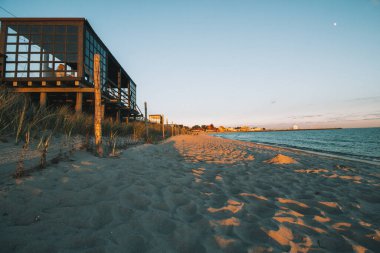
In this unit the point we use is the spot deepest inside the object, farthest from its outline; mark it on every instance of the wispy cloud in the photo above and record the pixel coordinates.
(306, 116)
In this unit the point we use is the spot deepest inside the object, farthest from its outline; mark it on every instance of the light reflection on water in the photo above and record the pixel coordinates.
(359, 143)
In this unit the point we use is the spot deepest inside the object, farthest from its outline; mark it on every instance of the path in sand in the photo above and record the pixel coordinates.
(194, 194)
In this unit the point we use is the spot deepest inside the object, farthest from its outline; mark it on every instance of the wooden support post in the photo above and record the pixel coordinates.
(43, 98)
(119, 86)
(79, 102)
(146, 121)
(98, 106)
(118, 116)
(163, 126)
(127, 120)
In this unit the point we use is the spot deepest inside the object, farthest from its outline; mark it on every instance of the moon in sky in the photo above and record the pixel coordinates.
(334, 24)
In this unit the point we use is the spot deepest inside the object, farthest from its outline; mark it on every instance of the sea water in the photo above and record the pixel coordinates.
(357, 143)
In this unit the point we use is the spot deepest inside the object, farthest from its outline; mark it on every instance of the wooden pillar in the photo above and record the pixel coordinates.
(163, 126)
(79, 102)
(98, 106)
(146, 121)
(43, 99)
(118, 95)
(118, 116)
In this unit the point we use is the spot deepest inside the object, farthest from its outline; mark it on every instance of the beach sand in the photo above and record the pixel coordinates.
(194, 194)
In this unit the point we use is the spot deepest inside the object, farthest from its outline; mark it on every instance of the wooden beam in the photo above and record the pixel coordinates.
(53, 89)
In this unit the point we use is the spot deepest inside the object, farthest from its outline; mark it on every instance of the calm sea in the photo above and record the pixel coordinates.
(357, 143)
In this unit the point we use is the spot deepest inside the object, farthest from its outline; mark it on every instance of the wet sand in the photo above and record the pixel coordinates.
(194, 194)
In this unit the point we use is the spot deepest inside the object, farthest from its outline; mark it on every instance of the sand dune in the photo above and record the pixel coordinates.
(193, 194)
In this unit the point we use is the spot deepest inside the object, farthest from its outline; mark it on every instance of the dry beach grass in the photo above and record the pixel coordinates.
(194, 194)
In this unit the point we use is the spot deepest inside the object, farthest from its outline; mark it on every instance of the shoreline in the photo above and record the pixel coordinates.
(194, 194)
(320, 153)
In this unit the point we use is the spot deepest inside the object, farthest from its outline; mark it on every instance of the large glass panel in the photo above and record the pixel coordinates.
(48, 38)
(22, 57)
(11, 39)
(35, 49)
(60, 29)
(9, 74)
(59, 47)
(72, 29)
(34, 66)
(11, 48)
(34, 74)
(71, 48)
(11, 30)
(23, 48)
(72, 38)
(23, 39)
(10, 67)
(35, 29)
(22, 66)
(48, 29)
(35, 57)
(72, 58)
(11, 57)
(22, 74)
(59, 38)
(23, 29)
(36, 38)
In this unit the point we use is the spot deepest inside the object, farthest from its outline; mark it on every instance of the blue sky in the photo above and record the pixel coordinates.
(313, 63)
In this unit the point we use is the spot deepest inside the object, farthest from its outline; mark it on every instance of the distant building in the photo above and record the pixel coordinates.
(156, 118)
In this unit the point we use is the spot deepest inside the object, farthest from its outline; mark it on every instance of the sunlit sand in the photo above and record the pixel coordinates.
(193, 194)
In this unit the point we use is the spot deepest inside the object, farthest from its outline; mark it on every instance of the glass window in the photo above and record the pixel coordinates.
(35, 49)
(24, 48)
(34, 66)
(35, 29)
(36, 38)
(11, 48)
(60, 29)
(48, 38)
(23, 39)
(47, 57)
(35, 57)
(22, 66)
(48, 29)
(11, 57)
(72, 29)
(34, 74)
(10, 67)
(47, 47)
(59, 38)
(59, 57)
(72, 38)
(9, 74)
(22, 57)
(23, 29)
(71, 48)
(11, 30)
(59, 47)
(11, 39)
(72, 58)
(21, 74)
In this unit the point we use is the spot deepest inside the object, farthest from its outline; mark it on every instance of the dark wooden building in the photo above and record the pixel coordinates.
(52, 59)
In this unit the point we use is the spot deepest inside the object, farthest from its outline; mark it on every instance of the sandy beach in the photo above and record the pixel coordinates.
(194, 194)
